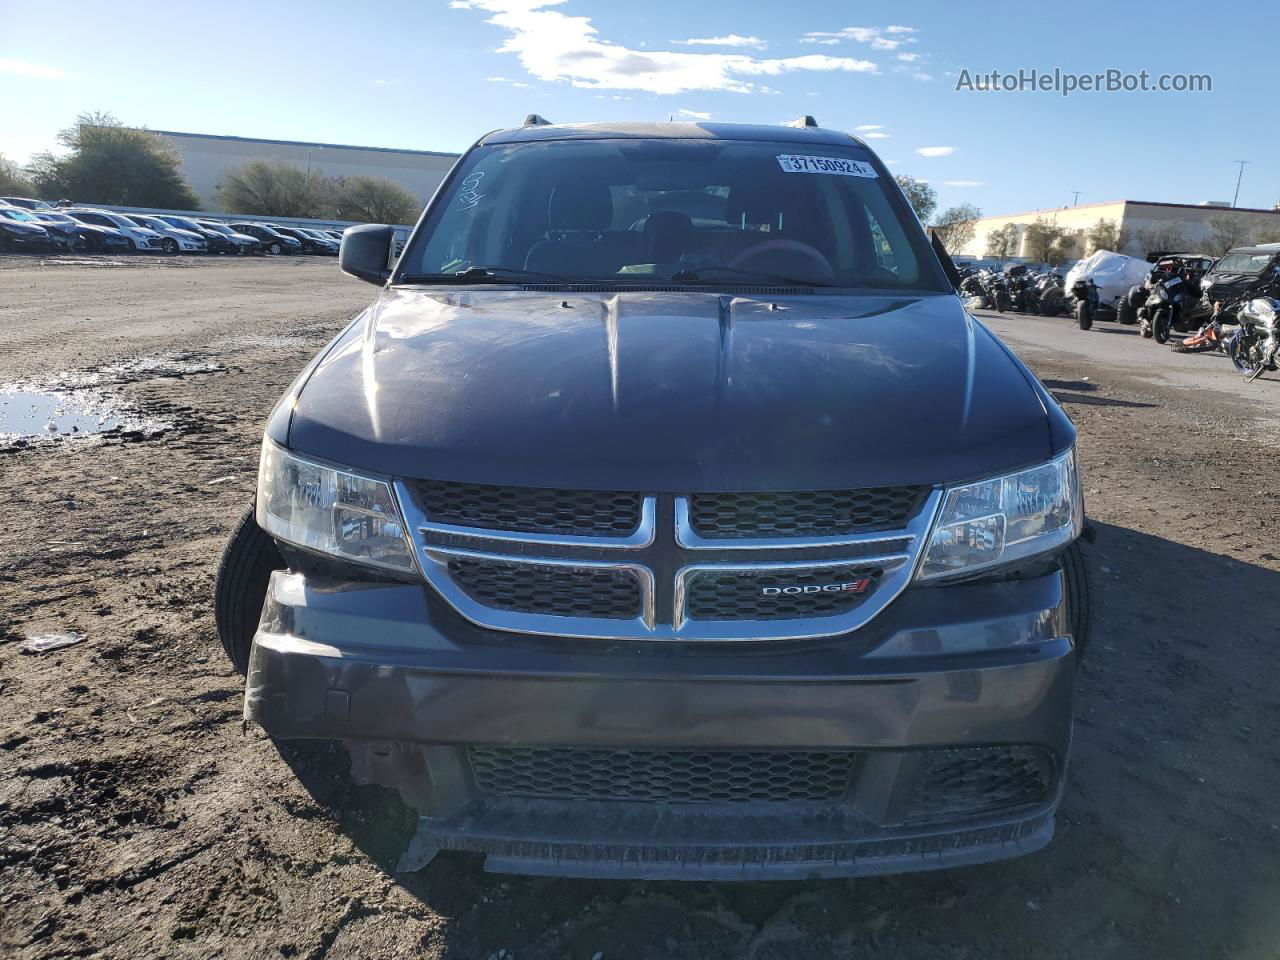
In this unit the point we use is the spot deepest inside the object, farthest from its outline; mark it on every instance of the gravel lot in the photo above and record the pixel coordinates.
(137, 818)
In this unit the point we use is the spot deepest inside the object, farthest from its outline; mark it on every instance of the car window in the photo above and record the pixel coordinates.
(624, 209)
(1243, 263)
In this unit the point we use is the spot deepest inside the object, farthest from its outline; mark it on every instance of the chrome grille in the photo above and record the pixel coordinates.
(662, 776)
(523, 561)
(588, 513)
(819, 513)
(556, 590)
(779, 594)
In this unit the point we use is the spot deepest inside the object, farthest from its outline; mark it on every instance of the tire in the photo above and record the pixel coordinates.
(1079, 597)
(1084, 315)
(1161, 325)
(169, 246)
(133, 245)
(274, 249)
(241, 587)
(1124, 312)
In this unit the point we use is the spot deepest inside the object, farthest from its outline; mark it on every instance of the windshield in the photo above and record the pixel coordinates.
(19, 215)
(714, 210)
(1243, 263)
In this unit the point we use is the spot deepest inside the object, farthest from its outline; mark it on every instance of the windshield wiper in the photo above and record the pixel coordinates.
(700, 275)
(484, 275)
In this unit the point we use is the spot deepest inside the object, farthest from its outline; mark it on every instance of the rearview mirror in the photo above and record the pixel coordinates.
(366, 252)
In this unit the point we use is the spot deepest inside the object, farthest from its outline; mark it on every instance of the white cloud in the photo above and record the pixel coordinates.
(887, 38)
(869, 126)
(555, 46)
(908, 57)
(37, 71)
(693, 114)
(936, 151)
(875, 135)
(921, 76)
(728, 40)
(963, 183)
(497, 79)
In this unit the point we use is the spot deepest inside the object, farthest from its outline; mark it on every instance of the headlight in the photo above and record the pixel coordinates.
(330, 511)
(1005, 520)
(1162, 291)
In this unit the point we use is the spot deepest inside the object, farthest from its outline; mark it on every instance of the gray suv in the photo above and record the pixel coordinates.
(666, 515)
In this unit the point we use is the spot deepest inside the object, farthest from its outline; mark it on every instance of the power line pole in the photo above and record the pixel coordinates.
(1075, 199)
(1239, 177)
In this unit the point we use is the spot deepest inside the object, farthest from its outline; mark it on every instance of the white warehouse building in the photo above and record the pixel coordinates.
(1142, 225)
(207, 157)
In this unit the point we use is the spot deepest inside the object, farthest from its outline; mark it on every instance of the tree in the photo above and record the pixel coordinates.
(107, 162)
(13, 182)
(1046, 242)
(1161, 237)
(1225, 232)
(922, 197)
(1106, 235)
(1000, 243)
(375, 200)
(271, 188)
(955, 226)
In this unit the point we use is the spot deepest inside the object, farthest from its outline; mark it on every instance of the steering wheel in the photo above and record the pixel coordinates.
(771, 248)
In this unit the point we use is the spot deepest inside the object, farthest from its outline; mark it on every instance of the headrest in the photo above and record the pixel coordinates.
(758, 204)
(580, 205)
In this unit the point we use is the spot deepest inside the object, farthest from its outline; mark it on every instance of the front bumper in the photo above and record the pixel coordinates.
(419, 694)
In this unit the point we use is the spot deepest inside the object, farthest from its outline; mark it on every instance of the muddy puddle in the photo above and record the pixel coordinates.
(73, 404)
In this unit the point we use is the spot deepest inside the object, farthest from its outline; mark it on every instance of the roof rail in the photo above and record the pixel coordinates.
(805, 121)
(533, 120)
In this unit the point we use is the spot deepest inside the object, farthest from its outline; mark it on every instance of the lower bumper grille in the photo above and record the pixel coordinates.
(663, 777)
(955, 783)
(557, 590)
(778, 594)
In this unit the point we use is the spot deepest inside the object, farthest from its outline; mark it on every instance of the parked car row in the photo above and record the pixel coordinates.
(28, 224)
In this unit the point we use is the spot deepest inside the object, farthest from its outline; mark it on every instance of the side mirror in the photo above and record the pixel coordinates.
(366, 252)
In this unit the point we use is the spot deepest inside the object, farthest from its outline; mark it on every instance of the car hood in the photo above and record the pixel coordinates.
(670, 391)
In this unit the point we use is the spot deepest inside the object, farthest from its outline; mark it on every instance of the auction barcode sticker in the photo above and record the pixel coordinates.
(792, 163)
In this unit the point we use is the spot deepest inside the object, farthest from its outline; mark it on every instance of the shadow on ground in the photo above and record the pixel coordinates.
(1167, 841)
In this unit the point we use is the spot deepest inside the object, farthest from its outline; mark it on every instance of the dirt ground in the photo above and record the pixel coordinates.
(138, 818)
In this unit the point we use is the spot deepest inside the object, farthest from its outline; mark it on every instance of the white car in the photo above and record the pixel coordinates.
(140, 238)
(173, 239)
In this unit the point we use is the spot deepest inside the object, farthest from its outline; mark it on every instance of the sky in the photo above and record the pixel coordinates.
(437, 74)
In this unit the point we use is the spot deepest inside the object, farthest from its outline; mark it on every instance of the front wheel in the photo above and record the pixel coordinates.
(1124, 312)
(1084, 315)
(241, 587)
(1162, 325)
(274, 249)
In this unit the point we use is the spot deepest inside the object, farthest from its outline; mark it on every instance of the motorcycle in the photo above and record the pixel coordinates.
(1023, 294)
(1254, 346)
(1084, 294)
(1173, 299)
(996, 291)
(1052, 298)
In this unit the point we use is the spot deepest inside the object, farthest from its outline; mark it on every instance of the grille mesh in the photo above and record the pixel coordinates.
(973, 780)
(803, 514)
(662, 777)
(553, 590)
(588, 513)
(737, 595)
